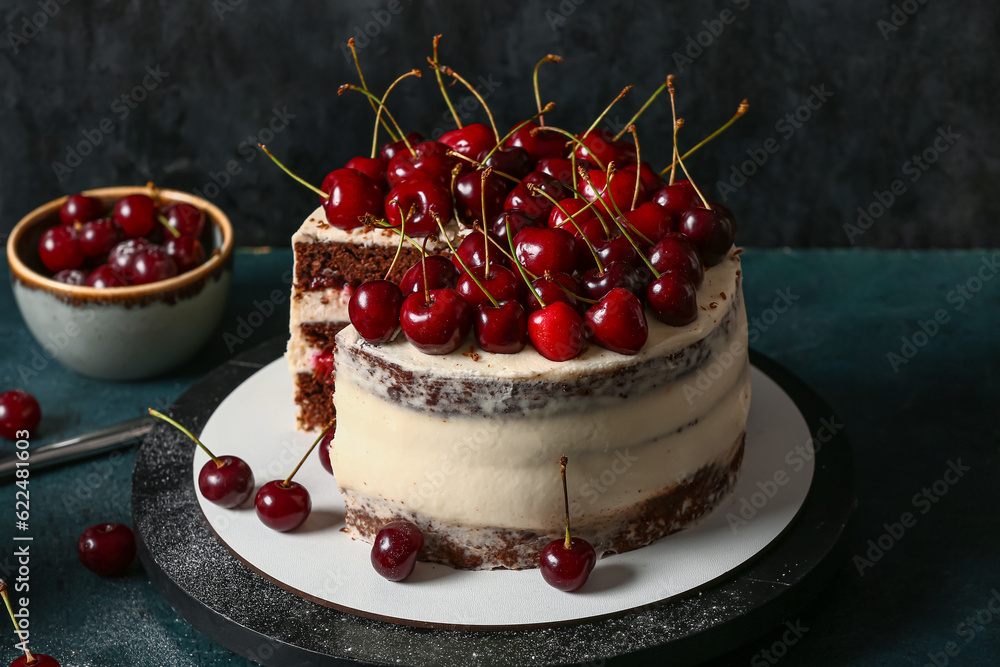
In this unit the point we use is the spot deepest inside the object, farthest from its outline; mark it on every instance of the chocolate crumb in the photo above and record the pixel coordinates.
(723, 295)
(471, 354)
(713, 304)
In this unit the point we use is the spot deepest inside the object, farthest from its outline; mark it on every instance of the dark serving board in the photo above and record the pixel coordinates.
(234, 606)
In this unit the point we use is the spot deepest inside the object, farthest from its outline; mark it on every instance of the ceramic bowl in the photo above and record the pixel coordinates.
(120, 333)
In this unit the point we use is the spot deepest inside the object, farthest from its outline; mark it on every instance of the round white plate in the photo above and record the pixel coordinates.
(320, 562)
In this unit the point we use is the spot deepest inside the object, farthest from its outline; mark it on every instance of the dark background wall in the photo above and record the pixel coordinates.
(201, 79)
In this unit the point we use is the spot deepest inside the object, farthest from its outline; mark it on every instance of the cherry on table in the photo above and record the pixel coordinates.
(566, 563)
(40, 660)
(502, 329)
(284, 505)
(441, 273)
(374, 310)
(618, 322)
(395, 550)
(59, 249)
(226, 481)
(556, 331)
(19, 411)
(106, 549)
(80, 208)
(135, 213)
(436, 322)
(29, 659)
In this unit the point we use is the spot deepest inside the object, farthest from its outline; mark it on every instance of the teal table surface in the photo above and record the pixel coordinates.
(904, 347)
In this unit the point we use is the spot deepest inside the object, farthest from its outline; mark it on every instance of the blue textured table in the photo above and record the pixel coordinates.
(904, 346)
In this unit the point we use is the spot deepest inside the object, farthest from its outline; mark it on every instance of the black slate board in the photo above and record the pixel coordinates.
(234, 606)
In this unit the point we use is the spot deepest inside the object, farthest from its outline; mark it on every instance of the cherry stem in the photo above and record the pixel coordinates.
(605, 112)
(480, 165)
(423, 269)
(381, 108)
(291, 173)
(444, 69)
(374, 100)
(402, 235)
(562, 473)
(600, 194)
(382, 224)
(569, 216)
(496, 244)
(538, 98)
(357, 66)
(680, 161)
(638, 166)
(572, 294)
(517, 263)
(288, 480)
(163, 221)
(468, 271)
(444, 91)
(743, 108)
(30, 659)
(625, 233)
(215, 459)
(548, 107)
(673, 113)
(578, 142)
(482, 203)
(642, 109)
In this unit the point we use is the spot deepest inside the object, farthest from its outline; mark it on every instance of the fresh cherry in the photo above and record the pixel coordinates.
(536, 204)
(651, 220)
(226, 481)
(603, 145)
(471, 190)
(471, 140)
(135, 214)
(556, 331)
(425, 198)
(353, 196)
(517, 220)
(440, 271)
(429, 161)
(59, 249)
(502, 329)
(673, 299)
(284, 505)
(513, 161)
(29, 659)
(539, 250)
(472, 251)
(374, 310)
(576, 221)
(677, 198)
(618, 323)
(71, 277)
(98, 237)
(554, 287)
(104, 276)
(106, 549)
(620, 193)
(437, 322)
(372, 167)
(186, 251)
(538, 142)
(395, 550)
(566, 563)
(80, 208)
(617, 274)
(617, 249)
(501, 283)
(562, 168)
(651, 179)
(675, 254)
(19, 411)
(710, 232)
(389, 150)
(185, 219)
(150, 264)
(120, 257)
(40, 660)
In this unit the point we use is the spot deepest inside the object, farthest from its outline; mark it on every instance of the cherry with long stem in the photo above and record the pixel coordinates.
(521, 269)
(680, 161)
(284, 505)
(447, 71)
(673, 113)
(468, 271)
(481, 165)
(569, 216)
(547, 108)
(638, 164)
(162, 219)
(288, 480)
(567, 563)
(295, 176)
(28, 656)
(361, 76)
(641, 110)
(743, 108)
(605, 112)
(440, 81)
(402, 237)
(538, 97)
(374, 100)
(577, 143)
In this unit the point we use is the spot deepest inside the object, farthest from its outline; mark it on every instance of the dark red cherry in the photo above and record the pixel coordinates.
(536, 204)
(107, 549)
(429, 161)
(567, 569)
(556, 331)
(322, 365)
(438, 323)
(120, 257)
(554, 287)
(516, 220)
(19, 411)
(71, 277)
(41, 660)
(677, 198)
(135, 214)
(469, 195)
(673, 299)
(622, 191)
(282, 507)
(575, 222)
(542, 249)
(324, 450)
(424, 198)
(186, 219)
(472, 251)
(651, 220)
(710, 232)
(374, 310)
(80, 208)
(618, 274)
(676, 254)
(150, 264)
(353, 196)
(59, 249)
(388, 151)
(98, 237)
(618, 322)
(186, 251)
(501, 283)
(606, 148)
(727, 215)
(371, 167)
(651, 179)
(104, 276)
(228, 485)
(561, 169)
(539, 143)
(441, 273)
(617, 249)
(513, 161)
(502, 329)
(471, 141)
(395, 550)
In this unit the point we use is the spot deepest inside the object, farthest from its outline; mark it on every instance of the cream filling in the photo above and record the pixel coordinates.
(316, 229)
(329, 305)
(504, 472)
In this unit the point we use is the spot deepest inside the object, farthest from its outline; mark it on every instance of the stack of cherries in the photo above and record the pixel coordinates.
(139, 241)
(563, 237)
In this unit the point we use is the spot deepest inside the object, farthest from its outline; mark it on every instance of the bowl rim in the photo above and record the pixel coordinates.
(21, 271)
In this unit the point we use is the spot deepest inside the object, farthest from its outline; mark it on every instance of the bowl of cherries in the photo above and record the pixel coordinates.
(121, 283)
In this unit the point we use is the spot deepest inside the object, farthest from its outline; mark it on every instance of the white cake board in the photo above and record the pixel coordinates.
(320, 562)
